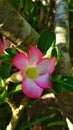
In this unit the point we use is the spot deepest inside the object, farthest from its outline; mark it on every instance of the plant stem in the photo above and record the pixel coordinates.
(16, 112)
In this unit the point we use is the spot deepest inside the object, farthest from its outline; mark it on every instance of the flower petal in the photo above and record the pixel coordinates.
(34, 55)
(1, 47)
(31, 89)
(44, 81)
(46, 65)
(6, 42)
(20, 61)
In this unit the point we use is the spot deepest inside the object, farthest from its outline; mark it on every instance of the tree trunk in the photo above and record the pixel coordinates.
(15, 27)
(62, 41)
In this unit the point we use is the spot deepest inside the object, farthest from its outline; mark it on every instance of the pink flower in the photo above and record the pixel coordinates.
(3, 44)
(35, 71)
(1, 47)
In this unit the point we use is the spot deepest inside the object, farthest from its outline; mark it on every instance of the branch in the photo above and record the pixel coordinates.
(64, 67)
(15, 27)
(16, 113)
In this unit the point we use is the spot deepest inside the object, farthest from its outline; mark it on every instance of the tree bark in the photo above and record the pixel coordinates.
(62, 42)
(61, 23)
(15, 27)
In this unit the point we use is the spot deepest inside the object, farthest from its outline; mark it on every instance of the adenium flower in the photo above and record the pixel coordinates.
(4, 43)
(1, 47)
(35, 71)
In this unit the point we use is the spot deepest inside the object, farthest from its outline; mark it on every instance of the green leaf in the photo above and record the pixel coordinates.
(56, 123)
(57, 87)
(3, 96)
(55, 52)
(11, 51)
(45, 41)
(17, 88)
(5, 57)
(2, 84)
(5, 70)
(69, 2)
(66, 82)
(42, 119)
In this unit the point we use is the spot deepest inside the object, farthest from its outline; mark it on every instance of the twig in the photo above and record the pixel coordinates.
(16, 112)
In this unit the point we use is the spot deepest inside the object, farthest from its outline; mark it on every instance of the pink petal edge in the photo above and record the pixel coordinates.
(44, 81)
(1, 47)
(20, 62)
(31, 89)
(46, 65)
(34, 55)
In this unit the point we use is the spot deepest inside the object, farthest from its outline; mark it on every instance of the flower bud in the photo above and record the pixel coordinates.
(16, 77)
